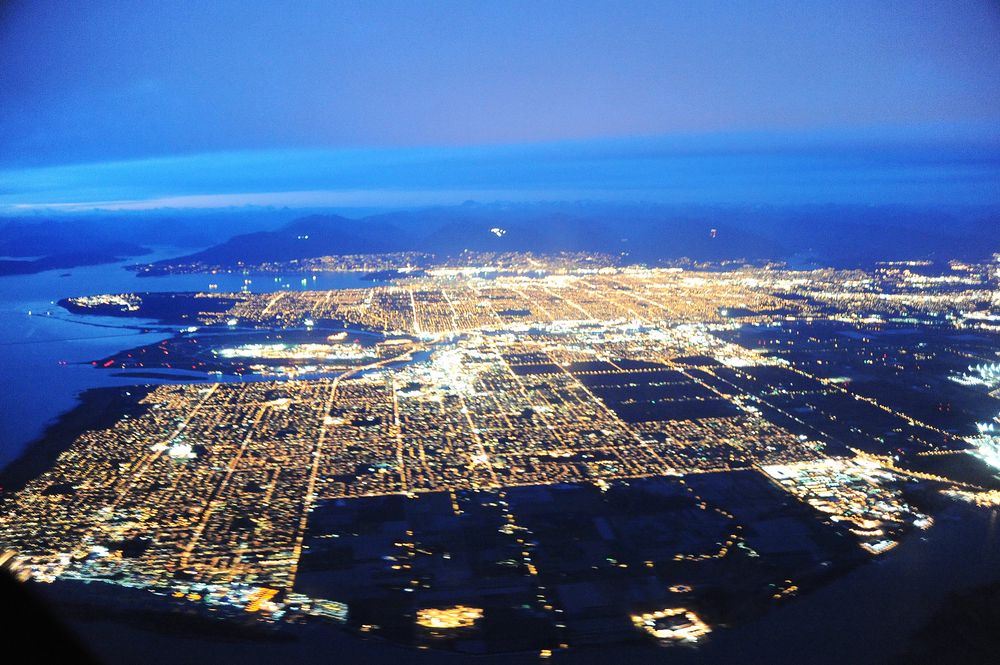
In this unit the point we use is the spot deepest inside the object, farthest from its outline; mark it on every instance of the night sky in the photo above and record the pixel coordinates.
(142, 105)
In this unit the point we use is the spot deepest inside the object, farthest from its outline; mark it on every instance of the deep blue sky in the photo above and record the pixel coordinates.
(209, 103)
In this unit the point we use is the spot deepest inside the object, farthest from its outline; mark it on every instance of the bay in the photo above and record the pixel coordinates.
(45, 351)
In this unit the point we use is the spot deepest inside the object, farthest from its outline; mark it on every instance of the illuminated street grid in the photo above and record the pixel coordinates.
(455, 299)
(586, 378)
(223, 474)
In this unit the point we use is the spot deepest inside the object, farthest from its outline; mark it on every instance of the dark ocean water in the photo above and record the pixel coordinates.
(45, 351)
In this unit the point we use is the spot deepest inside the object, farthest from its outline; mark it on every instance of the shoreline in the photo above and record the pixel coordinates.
(97, 408)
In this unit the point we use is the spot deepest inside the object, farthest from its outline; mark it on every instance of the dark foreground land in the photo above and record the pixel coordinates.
(933, 600)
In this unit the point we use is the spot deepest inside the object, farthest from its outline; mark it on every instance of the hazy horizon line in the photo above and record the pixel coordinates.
(945, 163)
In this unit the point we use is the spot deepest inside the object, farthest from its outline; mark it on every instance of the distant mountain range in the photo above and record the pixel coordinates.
(820, 235)
(840, 236)
(38, 243)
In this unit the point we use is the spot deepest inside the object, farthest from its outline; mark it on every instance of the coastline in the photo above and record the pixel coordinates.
(97, 408)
